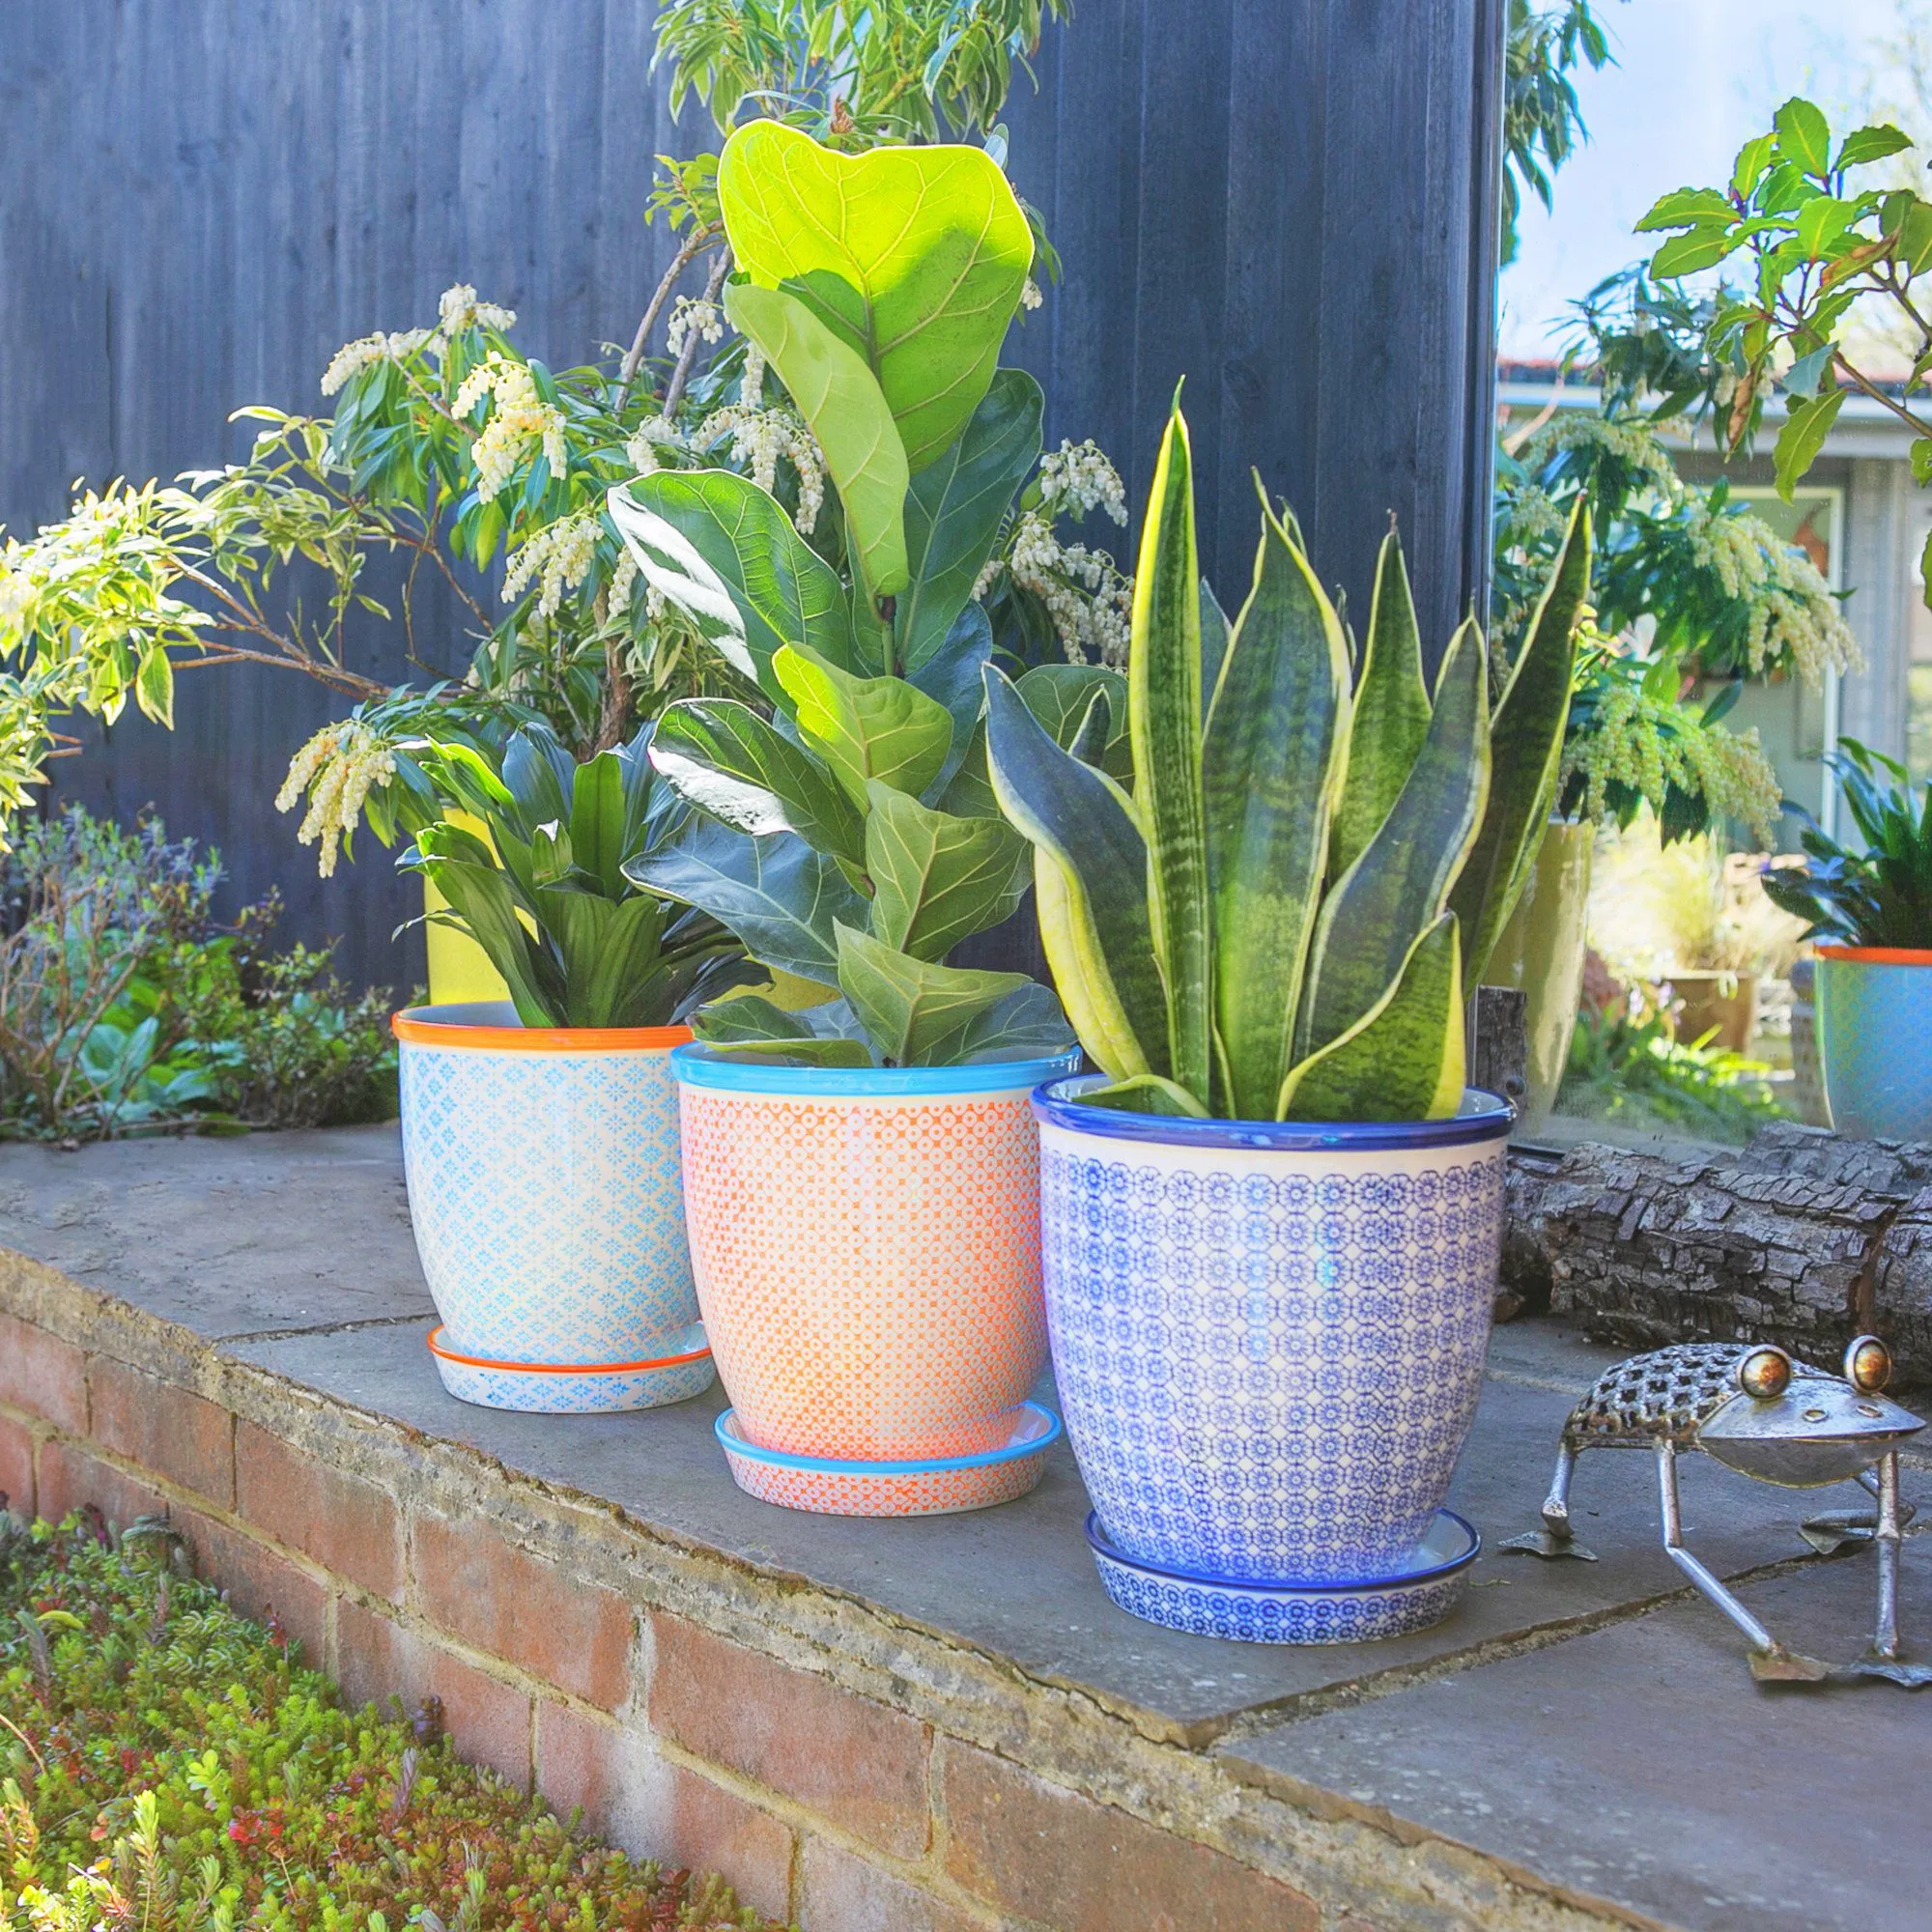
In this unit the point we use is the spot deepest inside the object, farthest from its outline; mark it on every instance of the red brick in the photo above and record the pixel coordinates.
(41, 1372)
(257, 1580)
(338, 1520)
(16, 1468)
(488, 1722)
(169, 1429)
(1045, 1853)
(633, 1796)
(841, 1893)
(473, 1583)
(854, 1761)
(69, 1477)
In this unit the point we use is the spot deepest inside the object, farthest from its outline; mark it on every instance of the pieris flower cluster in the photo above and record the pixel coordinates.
(693, 315)
(518, 419)
(557, 555)
(1794, 617)
(457, 310)
(759, 438)
(338, 768)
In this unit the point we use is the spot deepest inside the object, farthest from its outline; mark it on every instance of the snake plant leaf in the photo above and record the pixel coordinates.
(916, 254)
(1164, 719)
(1402, 1059)
(1091, 872)
(840, 398)
(1026, 1024)
(729, 762)
(866, 727)
(1397, 887)
(914, 1013)
(953, 677)
(1528, 749)
(1147, 1094)
(1272, 764)
(1060, 696)
(725, 554)
(1391, 712)
(782, 898)
(954, 510)
(937, 880)
(1215, 630)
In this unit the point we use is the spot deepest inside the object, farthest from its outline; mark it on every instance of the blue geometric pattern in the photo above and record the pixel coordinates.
(590, 1392)
(545, 1192)
(1267, 1361)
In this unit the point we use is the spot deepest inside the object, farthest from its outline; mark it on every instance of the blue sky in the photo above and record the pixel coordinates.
(1695, 79)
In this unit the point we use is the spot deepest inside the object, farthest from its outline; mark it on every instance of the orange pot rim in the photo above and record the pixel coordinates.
(562, 1368)
(407, 1025)
(1879, 956)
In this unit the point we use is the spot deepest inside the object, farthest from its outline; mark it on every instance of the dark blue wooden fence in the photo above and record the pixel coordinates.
(1290, 203)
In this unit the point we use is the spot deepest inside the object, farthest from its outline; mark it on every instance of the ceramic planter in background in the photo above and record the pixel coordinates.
(1269, 1340)
(1875, 1037)
(867, 1249)
(545, 1190)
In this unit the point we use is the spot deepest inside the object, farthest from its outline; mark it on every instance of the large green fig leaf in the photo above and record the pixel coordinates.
(914, 1013)
(937, 880)
(866, 727)
(1402, 1059)
(1025, 1024)
(1531, 716)
(914, 255)
(1271, 771)
(1091, 869)
(1396, 890)
(1164, 712)
(725, 554)
(1391, 712)
(954, 510)
(782, 898)
(728, 761)
(756, 1029)
(953, 676)
(840, 398)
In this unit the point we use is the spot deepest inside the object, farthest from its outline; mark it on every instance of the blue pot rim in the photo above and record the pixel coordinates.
(1482, 1116)
(1340, 1586)
(698, 1066)
(779, 1459)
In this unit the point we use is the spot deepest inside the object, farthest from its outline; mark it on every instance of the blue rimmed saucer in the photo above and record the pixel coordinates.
(937, 1485)
(678, 1368)
(1421, 1592)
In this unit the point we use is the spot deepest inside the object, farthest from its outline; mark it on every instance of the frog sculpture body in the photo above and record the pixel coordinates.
(1760, 1412)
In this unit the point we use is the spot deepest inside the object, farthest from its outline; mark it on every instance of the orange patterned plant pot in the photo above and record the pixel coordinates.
(866, 1243)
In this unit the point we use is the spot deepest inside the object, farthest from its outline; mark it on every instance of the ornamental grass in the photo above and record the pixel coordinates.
(168, 1766)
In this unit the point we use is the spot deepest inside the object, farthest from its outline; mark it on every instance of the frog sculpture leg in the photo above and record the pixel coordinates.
(1782, 1422)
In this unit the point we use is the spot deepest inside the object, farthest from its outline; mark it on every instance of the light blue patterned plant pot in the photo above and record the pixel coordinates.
(1875, 1038)
(543, 1169)
(1268, 1338)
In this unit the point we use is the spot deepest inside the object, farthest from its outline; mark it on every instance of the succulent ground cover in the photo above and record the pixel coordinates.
(167, 1765)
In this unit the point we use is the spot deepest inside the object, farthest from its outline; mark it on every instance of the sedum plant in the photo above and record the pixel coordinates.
(1279, 920)
(851, 839)
(1881, 896)
(542, 888)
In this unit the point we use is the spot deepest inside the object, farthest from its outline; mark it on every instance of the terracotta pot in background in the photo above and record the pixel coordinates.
(1725, 1001)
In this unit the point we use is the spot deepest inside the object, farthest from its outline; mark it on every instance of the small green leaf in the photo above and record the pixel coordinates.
(1802, 377)
(1803, 436)
(1753, 157)
(1925, 572)
(1803, 135)
(155, 686)
(749, 1016)
(1688, 208)
(1921, 460)
(1686, 254)
(1820, 223)
(1870, 144)
(915, 1013)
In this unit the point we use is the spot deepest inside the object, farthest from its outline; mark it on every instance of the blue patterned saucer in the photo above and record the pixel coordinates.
(1421, 1594)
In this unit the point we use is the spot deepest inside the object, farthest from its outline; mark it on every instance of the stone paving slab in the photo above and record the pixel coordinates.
(1643, 1765)
(1018, 1582)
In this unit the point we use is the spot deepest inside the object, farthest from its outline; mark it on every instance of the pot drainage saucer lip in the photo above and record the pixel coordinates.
(681, 1368)
(928, 1486)
(1319, 1613)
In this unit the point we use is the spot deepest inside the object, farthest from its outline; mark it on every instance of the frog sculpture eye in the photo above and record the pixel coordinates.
(1867, 1364)
(1765, 1373)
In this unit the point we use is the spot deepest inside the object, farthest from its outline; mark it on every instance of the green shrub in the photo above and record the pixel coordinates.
(168, 1766)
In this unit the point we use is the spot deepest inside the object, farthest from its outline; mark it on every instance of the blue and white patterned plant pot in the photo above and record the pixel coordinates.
(1268, 1338)
(1875, 1041)
(545, 1188)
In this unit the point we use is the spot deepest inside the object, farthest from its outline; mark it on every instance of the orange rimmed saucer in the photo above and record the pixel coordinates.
(681, 1370)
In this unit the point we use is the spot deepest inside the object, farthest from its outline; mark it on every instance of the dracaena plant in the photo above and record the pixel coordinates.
(542, 889)
(851, 839)
(1882, 895)
(1277, 922)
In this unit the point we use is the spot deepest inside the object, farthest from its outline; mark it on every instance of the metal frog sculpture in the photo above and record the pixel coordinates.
(1782, 1421)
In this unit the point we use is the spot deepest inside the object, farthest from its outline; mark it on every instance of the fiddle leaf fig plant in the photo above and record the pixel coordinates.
(536, 877)
(1276, 923)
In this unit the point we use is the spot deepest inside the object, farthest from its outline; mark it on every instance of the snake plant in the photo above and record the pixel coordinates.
(542, 889)
(1277, 922)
